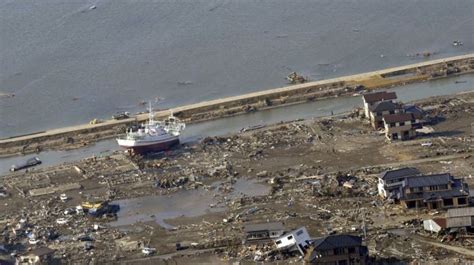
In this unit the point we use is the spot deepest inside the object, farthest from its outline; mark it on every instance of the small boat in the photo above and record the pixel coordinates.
(457, 43)
(29, 163)
(460, 82)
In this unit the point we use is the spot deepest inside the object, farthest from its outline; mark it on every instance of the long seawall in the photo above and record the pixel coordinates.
(346, 85)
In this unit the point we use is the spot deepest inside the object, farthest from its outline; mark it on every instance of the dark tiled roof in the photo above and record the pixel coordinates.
(336, 241)
(385, 106)
(417, 111)
(379, 96)
(447, 194)
(399, 117)
(429, 180)
(263, 227)
(399, 173)
(459, 212)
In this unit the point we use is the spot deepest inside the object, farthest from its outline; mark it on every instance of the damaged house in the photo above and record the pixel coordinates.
(415, 190)
(337, 249)
(263, 232)
(436, 191)
(399, 121)
(456, 219)
(401, 126)
(298, 239)
(380, 109)
(391, 181)
(371, 99)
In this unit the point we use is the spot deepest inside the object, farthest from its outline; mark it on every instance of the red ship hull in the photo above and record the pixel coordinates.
(162, 146)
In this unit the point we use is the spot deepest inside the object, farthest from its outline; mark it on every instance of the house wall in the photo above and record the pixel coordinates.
(346, 256)
(461, 221)
(399, 130)
(296, 237)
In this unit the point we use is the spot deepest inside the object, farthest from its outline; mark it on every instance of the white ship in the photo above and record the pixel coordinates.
(153, 136)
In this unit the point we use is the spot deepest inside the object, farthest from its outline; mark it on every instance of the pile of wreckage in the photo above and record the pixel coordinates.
(270, 242)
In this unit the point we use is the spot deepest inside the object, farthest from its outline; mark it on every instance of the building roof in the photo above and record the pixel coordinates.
(459, 212)
(264, 227)
(40, 251)
(379, 96)
(399, 117)
(385, 106)
(399, 173)
(336, 241)
(417, 111)
(440, 221)
(429, 180)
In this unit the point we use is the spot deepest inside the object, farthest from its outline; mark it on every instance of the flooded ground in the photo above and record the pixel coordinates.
(188, 203)
(321, 108)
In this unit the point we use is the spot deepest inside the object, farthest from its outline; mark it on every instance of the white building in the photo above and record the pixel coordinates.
(295, 240)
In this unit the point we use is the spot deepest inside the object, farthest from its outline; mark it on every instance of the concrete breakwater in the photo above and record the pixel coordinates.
(76, 136)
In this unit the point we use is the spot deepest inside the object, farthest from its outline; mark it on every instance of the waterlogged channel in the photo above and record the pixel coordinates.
(233, 124)
(187, 203)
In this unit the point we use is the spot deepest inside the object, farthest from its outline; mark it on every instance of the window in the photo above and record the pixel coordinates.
(338, 251)
(448, 202)
(434, 188)
(418, 189)
(299, 232)
(391, 112)
(402, 123)
(278, 242)
(461, 200)
(392, 124)
(352, 250)
(290, 237)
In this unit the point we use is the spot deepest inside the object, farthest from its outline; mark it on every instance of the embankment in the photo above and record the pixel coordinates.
(76, 136)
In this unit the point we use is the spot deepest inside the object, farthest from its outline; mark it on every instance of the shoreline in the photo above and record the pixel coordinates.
(82, 135)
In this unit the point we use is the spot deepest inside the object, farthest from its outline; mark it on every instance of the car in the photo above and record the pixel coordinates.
(62, 221)
(33, 241)
(88, 246)
(427, 144)
(148, 251)
(69, 211)
(63, 197)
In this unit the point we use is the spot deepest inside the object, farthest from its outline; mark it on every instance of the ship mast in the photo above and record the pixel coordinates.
(150, 113)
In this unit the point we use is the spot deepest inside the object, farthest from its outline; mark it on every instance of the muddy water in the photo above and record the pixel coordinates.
(187, 203)
(67, 63)
(234, 124)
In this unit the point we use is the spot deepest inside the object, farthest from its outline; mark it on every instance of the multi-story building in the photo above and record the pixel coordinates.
(371, 99)
(380, 109)
(401, 126)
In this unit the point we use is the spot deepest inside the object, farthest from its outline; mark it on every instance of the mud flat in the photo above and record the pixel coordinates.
(299, 167)
(77, 136)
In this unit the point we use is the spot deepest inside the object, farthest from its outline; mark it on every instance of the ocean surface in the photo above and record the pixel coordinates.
(69, 61)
